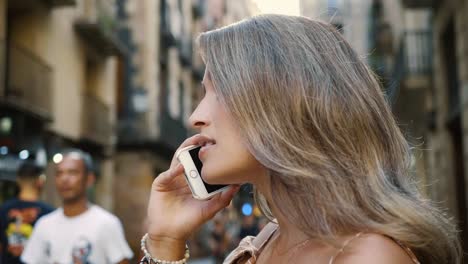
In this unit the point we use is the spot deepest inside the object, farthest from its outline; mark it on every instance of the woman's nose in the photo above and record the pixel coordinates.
(198, 119)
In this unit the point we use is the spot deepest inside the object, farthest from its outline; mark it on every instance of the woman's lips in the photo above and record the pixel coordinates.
(204, 149)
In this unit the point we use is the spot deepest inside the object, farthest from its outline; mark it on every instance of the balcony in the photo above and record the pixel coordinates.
(98, 26)
(185, 51)
(173, 131)
(418, 3)
(29, 83)
(96, 120)
(417, 59)
(167, 38)
(2, 66)
(28, 5)
(135, 129)
(134, 133)
(198, 9)
(413, 65)
(411, 81)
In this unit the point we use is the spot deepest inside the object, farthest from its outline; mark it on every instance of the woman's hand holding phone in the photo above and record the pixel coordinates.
(173, 214)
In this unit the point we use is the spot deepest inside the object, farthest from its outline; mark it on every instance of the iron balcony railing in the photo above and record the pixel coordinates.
(198, 8)
(134, 128)
(2, 67)
(29, 81)
(414, 59)
(418, 52)
(185, 51)
(98, 25)
(101, 12)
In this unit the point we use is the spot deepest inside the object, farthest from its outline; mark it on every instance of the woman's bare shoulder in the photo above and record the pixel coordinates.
(373, 248)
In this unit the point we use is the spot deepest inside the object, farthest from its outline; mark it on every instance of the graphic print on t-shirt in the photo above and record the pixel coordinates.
(94, 236)
(17, 220)
(20, 228)
(81, 251)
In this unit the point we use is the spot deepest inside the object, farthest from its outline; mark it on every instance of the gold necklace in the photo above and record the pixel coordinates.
(290, 252)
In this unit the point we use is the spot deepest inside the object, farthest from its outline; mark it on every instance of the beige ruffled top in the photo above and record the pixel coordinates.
(250, 247)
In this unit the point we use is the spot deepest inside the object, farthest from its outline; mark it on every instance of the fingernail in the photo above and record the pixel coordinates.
(235, 189)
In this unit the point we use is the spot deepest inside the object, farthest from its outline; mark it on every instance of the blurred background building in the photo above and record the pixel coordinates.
(116, 78)
(59, 61)
(424, 68)
(160, 87)
(119, 79)
(419, 50)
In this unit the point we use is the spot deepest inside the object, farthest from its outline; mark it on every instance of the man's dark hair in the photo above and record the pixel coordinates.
(28, 169)
(84, 156)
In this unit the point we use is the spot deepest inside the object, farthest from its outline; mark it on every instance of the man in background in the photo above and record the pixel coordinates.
(19, 215)
(77, 232)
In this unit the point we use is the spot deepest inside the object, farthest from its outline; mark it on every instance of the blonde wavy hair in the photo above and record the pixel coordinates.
(314, 115)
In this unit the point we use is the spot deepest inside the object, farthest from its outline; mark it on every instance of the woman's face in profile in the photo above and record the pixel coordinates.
(225, 158)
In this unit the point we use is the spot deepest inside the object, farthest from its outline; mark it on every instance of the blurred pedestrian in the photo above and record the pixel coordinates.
(79, 232)
(262, 222)
(291, 108)
(219, 240)
(19, 215)
(249, 226)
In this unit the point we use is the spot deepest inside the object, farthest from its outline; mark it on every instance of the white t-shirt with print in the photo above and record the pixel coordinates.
(93, 237)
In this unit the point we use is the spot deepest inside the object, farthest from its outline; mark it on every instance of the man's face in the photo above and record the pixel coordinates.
(71, 180)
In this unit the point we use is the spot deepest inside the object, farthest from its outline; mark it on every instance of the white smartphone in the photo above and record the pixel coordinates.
(201, 190)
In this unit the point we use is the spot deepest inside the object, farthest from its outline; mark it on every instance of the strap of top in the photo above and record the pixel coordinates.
(265, 235)
(343, 247)
(408, 251)
(249, 248)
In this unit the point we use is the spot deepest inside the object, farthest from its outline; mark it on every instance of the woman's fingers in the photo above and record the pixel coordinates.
(227, 196)
(166, 178)
(219, 202)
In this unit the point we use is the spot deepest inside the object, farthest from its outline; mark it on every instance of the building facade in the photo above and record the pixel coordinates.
(352, 18)
(449, 97)
(419, 49)
(160, 89)
(425, 74)
(429, 88)
(59, 78)
(116, 78)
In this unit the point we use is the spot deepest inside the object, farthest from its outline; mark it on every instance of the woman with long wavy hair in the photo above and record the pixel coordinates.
(290, 108)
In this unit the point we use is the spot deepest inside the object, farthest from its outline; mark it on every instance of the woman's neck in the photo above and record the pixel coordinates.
(288, 234)
(289, 242)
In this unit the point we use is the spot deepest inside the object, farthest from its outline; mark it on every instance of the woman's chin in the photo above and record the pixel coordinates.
(210, 177)
(225, 177)
(214, 181)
